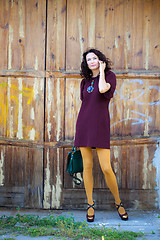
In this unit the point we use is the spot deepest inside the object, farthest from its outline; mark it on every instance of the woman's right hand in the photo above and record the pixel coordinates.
(102, 66)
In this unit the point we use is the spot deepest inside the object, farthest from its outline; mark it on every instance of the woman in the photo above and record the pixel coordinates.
(93, 124)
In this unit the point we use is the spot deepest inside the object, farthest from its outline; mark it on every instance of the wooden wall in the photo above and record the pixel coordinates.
(41, 44)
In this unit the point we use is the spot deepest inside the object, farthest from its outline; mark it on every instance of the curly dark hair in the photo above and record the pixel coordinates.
(85, 71)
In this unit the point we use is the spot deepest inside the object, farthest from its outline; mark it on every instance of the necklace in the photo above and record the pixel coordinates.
(90, 88)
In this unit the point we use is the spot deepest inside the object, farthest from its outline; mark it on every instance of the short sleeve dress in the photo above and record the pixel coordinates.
(93, 122)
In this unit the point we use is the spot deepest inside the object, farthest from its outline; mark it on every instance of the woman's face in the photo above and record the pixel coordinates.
(92, 61)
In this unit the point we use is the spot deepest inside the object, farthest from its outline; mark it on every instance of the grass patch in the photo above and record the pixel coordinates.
(9, 239)
(61, 226)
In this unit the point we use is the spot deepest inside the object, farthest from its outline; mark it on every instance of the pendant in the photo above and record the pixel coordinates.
(90, 89)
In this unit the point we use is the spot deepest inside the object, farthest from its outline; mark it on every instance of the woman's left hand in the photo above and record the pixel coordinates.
(102, 66)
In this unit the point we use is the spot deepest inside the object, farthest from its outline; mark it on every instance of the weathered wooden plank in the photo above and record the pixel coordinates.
(72, 107)
(72, 74)
(138, 171)
(14, 163)
(137, 50)
(147, 31)
(33, 109)
(100, 24)
(118, 35)
(109, 33)
(12, 190)
(76, 38)
(11, 196)
(12, 202)
(154, 62)
(21, 143)
(35, 30)
(22, 73)
(116, 111)
(54, 122)
(133, 199)
(33, 173)
(4, 22)
(63, 144)
(56, 17)
(14, 46)
(53, 178)
(3, 107)
(128, 33)
(91, 23)
(21, 176)
(2, 166)
(26, 36)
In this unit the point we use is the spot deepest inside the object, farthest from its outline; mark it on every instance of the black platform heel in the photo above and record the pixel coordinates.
(122, 216)
(90, 218)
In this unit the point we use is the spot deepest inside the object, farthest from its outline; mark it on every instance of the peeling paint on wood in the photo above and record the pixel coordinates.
(32, 114)
(10, 47)
(58, 110)
(146, 123)
(36, 63)
(12, 1)
(80, 36)
(32, 134)
(147, 55)
(49, 101)
(116, 42)
(115, 152)
(10, 110)
(127, 49)
(35, 88)
(21, 14)
(1, 168)
(145, 168)
(47, 185)
(57, 188)
(156, 163)
(20, 111)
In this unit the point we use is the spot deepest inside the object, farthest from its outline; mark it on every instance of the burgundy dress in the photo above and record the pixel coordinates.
(93, 122)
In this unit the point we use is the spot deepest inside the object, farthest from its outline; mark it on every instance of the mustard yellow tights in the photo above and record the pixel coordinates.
(105, 163)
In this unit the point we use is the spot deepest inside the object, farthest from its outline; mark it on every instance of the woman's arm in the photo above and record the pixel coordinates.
(103, 86)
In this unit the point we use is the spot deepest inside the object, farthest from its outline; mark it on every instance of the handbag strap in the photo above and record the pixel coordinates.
(74, 149)
(77, 179)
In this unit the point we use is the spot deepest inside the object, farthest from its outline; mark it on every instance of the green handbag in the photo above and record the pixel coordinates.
(75, 164)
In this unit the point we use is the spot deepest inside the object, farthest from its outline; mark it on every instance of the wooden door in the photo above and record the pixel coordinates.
(127, 32)
(43, 42)
(22, 36)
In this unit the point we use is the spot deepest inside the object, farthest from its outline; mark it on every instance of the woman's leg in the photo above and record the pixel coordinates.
(88, 175)
(105, 163)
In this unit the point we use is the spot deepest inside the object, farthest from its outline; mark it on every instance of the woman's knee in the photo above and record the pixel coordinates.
(107, 170)
(87, 165)
(87, 158)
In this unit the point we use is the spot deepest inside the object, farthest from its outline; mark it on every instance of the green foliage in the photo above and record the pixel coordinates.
(9, 239)
(61, 226)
